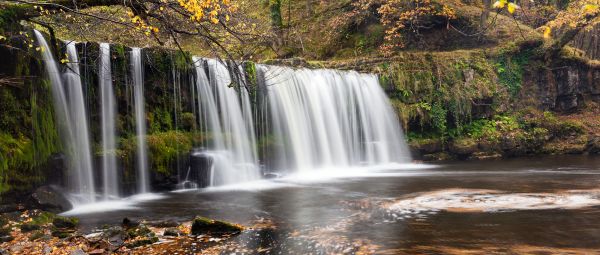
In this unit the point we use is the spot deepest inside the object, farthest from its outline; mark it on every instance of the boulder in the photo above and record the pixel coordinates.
(50, 198)
(202, 225)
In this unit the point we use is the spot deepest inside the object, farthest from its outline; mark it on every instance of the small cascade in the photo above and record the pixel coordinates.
(108, 117)
(140, 119)
(331, 119)
(229, 122)
(70, 112)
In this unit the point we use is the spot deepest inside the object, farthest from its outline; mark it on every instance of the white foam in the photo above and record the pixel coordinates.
(472, 200)
(328, 174)
(128, 203)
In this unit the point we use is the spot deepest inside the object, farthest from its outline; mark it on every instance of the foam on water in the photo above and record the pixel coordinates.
(128, 203)
(475, 200)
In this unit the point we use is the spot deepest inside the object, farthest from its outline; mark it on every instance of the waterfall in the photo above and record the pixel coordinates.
(226, 119)
(70, 111)
(108, 106)
(327, 118)
(140, 119)
(79, 124)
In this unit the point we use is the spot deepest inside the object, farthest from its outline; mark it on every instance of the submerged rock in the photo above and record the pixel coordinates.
(50, 198)
(202, 225)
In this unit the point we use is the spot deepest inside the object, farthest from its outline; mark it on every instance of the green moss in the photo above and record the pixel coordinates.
(202, 225)
(510, 66)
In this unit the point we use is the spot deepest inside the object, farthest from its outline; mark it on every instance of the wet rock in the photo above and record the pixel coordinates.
(129, 223)
(50, 198)
(200, 167)
(172, 232)
(115, 236)
(65, 222)
(202, 225)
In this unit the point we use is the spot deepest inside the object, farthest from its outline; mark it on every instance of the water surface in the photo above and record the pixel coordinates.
(516, 205)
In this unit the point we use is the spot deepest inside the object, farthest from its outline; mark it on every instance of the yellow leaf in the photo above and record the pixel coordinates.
(590, 8)
(2, 38)
(499, 4)
(162, 8)
(547, 32)
(512, 7)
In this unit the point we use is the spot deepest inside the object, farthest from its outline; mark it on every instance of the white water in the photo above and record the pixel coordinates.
(222, 116)
(70, 113)
(108, 106)
(140, 119)
(79, 124)
(326, 119)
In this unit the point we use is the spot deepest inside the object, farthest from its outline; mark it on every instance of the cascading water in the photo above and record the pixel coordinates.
(140, 119)
(108, 106)
(330, 119)
(227, 120)
(70, 111)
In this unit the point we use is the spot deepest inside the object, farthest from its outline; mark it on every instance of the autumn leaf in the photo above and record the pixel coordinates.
(547, 33)
(500, 4)
(512, 7)
(590, 8)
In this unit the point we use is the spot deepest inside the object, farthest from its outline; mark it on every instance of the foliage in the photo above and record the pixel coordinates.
(510, 67)
(398, 16)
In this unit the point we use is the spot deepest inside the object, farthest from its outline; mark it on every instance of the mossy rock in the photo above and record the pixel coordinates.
(61, 234)
(36, 235)
(172, 232)
(65, 222)
(140, 231)
(202, 225)
(463, 147)
(29, 226)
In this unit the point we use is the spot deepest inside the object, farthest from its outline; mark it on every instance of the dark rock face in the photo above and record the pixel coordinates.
(568, 86)
(50, 198)
(200, 165)
(202, 225)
